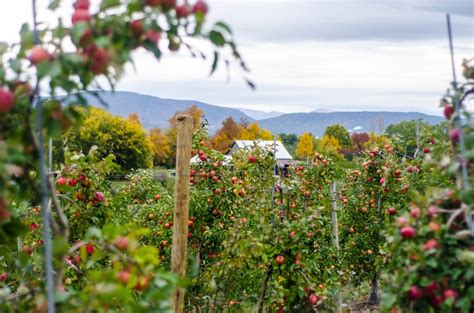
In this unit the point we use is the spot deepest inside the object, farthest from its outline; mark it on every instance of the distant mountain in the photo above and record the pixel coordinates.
(316, 123)
(260, 115)
(155, 112)
(319, 110)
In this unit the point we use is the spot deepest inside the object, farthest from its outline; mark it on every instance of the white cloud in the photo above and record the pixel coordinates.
(307, 54)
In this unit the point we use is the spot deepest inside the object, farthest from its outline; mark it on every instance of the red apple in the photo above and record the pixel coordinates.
(27, 250)
(6, 101)
(431, 288)
(448, 111)
(80, 15)
(407, 232)
(432, 211)
(313, 299)
(124, 277)
(200, 7)
(436, 300)
(61, 181)
(168, 225)
(431, 244)
(72, 182)
(99, 196)
(392, 211)
(142, 283)
(168, 4)
(280, 259)
(153, 36)
(414, 293)
(157, 197)
(190, 223)
(100, 61)
(121, 243)
(217, 191)
(415, 212)
(90, 249)
(3, 276)
(38, 55)
(454, 134)
(137, 27)
(183, 10)
(426, 150)
(82, 5)
(450, 294)
(153, 3)
(252, 159)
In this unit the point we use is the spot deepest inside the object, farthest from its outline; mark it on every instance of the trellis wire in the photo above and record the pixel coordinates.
(48, 258)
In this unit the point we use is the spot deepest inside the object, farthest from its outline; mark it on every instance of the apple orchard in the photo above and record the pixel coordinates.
(391, 232)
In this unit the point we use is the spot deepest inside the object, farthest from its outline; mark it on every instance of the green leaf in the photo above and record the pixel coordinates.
(107, 4)
(54, 4)
(60, 246)
(77, 31)
(55, 69)
(27, 37)
(153, 48)
(214, 63)
(224, 26)
(15, 65)
(217, 38)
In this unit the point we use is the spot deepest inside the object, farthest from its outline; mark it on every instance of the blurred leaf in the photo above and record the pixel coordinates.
(27, 37)
(217, 38)
(60, 246)
(54, 4)
(224, 26)
(78, 31)
(214, 63)
(107, 4)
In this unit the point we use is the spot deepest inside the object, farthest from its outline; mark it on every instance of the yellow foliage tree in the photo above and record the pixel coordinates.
(328, 144)
(133, 117)
(161, 146)
(112, 134)
(305, 146)
(377, 141)
(253, 132)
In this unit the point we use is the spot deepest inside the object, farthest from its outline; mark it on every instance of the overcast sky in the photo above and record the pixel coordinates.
(308, 54)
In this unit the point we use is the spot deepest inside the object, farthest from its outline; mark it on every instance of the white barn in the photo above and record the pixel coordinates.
(281, 154)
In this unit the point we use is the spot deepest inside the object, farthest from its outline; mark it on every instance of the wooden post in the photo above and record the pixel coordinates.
(335, 231)
(181, 209)
(335, 228)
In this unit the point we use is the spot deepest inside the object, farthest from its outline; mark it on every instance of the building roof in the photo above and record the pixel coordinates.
(281, 152)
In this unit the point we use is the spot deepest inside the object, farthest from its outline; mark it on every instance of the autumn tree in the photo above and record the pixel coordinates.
(305, 146)
(377, 141)
(340, 133)
(253, 132)
(328, 144)
(112, 134)
(133, 117)
(358, 140)
(161, 147)
(225, 136)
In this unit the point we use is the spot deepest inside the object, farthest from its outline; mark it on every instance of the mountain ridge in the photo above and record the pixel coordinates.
(156, 112)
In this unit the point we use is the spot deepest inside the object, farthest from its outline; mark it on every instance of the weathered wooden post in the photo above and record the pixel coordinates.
(335, 228)
(181, 209)
(335, 231)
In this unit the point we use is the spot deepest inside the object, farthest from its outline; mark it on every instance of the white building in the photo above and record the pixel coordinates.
(281, 154)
